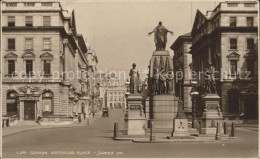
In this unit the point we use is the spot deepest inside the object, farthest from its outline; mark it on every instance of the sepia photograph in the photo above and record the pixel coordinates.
(129, 79)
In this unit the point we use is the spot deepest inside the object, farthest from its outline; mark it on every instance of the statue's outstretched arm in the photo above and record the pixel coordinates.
(170, 32)
(150, 33)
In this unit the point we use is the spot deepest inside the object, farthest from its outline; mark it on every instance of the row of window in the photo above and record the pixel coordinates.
(245, 5)
(250, 67)
(249, 21)
(233, 44)
(117, 99)
(46, 43)
(28, 21)
(29, 4)
(29, 67)
(111, 93)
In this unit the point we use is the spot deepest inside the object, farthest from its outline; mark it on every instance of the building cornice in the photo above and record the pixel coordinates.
(35, 29)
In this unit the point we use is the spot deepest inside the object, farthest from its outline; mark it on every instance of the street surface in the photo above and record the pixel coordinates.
(96, 141)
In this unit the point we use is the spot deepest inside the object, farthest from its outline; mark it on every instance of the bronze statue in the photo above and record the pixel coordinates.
(160, 36)
(134, 80)
(155, 78)
(210, 83)
(163, 77)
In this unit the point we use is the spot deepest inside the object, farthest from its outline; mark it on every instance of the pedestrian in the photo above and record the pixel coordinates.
(93, 114)
(84, 115)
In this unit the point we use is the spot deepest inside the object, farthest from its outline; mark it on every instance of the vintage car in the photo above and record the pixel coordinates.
(105, 112)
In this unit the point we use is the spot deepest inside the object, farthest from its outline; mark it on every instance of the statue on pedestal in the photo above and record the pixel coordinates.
(155, 82)
(210, 83)
(160, 36)
(134, 80)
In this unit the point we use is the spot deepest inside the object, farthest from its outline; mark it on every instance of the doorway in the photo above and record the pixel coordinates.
(29, 110)
(251, 109)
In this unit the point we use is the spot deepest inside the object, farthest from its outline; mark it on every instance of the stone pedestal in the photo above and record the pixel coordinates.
(211, 115)
(180, 124)
(164, 108)
(134, 117)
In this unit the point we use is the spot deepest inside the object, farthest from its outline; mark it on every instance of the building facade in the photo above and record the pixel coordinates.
(225, 40)
(182, 61)
(116, 97)
(43, 60)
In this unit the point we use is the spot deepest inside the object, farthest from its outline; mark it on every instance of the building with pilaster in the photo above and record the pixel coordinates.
(225, 40)
(182, 61)
(43, 60)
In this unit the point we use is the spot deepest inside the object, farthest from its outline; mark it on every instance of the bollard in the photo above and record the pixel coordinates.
(115, 130)
(232, 130)
(152, 133)
(3, 123)
(79, 117)
(218, 136)
(7, 122)
(225, 127)
(198, 126)
(88, 121)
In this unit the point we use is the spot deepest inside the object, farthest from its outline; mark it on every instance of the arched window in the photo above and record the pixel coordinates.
(11, 103)
(47, 103)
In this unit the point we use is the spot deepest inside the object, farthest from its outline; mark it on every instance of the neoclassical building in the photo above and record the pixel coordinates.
(226, 38)
(182, 61)
(43, 61)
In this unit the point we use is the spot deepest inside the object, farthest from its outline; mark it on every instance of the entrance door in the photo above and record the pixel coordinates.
(251, 109)
(29, 110)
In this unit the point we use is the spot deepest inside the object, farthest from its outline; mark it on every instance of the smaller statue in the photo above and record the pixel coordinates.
(210, 83)
(134, 80)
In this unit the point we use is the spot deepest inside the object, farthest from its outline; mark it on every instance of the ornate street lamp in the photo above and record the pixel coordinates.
(193, 93)
(127, 84)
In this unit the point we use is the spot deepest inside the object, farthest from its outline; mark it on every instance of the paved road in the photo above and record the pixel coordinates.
(96, 141)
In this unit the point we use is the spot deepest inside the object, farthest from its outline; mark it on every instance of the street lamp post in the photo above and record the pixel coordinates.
(193, 94)
(127, 83)
(180, 77)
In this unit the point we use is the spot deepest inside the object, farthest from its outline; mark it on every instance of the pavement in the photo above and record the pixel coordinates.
(15, 129)
(96, 141)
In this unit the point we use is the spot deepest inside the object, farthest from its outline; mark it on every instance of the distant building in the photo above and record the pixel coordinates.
(111, 93)
(42, 56)
(227, 38)
(94, 86)
(116, 97)
(182, 61)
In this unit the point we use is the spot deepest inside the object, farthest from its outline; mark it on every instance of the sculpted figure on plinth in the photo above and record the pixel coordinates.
(134, 80)
(155, 79)
(160, 36)
(210, 83)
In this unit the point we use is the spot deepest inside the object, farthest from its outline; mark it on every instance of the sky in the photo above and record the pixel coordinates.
(117, 29)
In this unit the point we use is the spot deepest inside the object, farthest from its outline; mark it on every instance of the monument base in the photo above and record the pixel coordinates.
(211, 115)
(135, 118)
(163, 109)
(180, 128)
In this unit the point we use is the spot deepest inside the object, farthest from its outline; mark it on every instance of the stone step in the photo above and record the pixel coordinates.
(19, 123)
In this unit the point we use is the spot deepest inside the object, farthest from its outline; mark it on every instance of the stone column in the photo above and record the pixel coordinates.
(66, 58)
(21, 110)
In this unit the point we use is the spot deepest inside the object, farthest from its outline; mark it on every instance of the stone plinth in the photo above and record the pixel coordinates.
(163, 109)
(180, 124)
(211, 115)
(134, 117)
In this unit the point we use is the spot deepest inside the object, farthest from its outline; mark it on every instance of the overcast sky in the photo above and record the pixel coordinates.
(117, 30)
